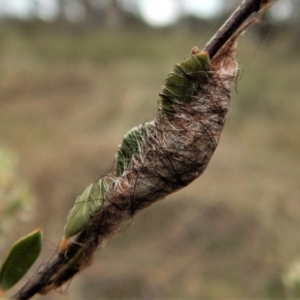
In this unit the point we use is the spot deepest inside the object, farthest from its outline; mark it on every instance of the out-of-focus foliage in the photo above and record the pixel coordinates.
(16, 197)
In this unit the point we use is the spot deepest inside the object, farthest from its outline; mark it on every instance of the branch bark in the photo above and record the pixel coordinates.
(233, 23)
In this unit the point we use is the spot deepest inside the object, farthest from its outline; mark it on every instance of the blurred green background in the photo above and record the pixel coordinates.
(68, 94)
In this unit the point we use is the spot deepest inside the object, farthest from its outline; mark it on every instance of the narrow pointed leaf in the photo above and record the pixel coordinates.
(20, 258)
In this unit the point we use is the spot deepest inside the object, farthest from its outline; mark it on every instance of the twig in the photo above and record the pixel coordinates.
(234, 22)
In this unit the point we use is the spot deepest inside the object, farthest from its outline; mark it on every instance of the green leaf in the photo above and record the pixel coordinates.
(130, 146)
(185, 82)
(86, 207)
(20, 258)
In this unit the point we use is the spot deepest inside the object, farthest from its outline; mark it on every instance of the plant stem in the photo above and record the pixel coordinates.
(234, 22)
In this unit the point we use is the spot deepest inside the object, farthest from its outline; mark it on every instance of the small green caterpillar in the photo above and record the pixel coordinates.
(87, 205)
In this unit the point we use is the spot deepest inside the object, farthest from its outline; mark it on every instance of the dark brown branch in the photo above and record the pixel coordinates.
(234, 22)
